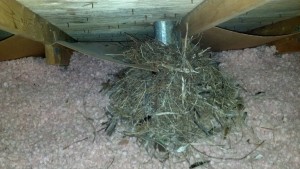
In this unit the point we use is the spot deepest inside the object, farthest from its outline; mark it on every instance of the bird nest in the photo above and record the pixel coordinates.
(183, 99)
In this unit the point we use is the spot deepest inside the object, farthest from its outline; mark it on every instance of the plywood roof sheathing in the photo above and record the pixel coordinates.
(107, 20)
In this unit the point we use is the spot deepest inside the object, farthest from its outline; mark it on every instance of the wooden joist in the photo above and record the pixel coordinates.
(211, 13)
(59, 54)
(288, 44)
(19, 20)
(280, 28)
(16, 47)
(285, 27)
(220, 39)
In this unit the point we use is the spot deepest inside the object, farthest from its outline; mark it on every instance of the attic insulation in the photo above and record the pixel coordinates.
(51, 117)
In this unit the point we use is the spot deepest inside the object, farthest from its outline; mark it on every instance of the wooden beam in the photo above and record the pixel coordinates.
(220, 39)
(58, 54)
(19, 20)
(280, 28)
(288, 45)
(289, 26)
(211, 13)
(16, 47)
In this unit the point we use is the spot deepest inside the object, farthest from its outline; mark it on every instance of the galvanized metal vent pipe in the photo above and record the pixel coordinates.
(165, 32)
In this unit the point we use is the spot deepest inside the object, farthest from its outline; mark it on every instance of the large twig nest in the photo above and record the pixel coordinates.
(183, 100)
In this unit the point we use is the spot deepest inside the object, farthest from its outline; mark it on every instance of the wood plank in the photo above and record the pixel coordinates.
(289, 26)
(19, 20)
(288, 45)
(220, 39)
(280, 28)
(213, 12)
(57, 54)
(106, 20)
(273, 12)
(16, 47)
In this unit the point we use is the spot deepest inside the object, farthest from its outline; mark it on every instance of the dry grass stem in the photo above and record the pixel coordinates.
(186, 100)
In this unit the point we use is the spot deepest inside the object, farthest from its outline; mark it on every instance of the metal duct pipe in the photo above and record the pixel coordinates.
(165, 32)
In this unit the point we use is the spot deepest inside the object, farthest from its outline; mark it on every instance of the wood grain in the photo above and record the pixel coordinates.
(19, 20)
(288, 45)
(272, 12)
(280, 28)
(289, 26)
(16, 47)
(107, 20)
(213, 12)
(220, 39)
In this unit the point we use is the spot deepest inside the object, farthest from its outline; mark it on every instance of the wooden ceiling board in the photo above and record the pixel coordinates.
(275, 11)
(107, 20)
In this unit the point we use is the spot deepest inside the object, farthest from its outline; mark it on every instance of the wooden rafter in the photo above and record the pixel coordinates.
(211, 13)
(289, 26)
(280, 28)
(288, 45)
(16, 47)
(220, 39)
(19, 20)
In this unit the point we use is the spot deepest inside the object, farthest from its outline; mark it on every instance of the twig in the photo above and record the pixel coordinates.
(75, 143)
(185, 41)
(230, 158)
(134, 39)
(111, 54)
(112, 161)
(85, 138)
(183, 70)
